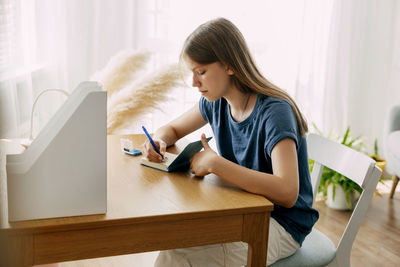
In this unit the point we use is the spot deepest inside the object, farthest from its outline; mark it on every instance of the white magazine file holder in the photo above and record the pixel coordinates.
(64, 171)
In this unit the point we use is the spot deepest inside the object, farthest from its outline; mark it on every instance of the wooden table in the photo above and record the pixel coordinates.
(147, 210)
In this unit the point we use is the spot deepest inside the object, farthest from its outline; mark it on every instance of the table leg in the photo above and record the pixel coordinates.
(255, 233)
(16, 250)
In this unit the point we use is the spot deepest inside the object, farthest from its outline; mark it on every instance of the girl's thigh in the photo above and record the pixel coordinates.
(280, 245)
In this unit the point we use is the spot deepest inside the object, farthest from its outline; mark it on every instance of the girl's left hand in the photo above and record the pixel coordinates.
(200, 163)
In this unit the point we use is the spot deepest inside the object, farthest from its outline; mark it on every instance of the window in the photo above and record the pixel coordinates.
(17, 56)
(57, 44)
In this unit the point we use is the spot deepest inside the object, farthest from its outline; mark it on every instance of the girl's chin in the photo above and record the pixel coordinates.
(210, 99)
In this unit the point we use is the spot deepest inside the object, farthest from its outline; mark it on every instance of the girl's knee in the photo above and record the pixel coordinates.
(169, 258)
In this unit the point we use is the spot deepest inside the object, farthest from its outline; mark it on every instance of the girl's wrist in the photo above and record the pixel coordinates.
(214, 163)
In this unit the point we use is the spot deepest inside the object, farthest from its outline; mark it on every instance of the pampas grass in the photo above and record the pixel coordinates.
(131, 97)
(141, 96)
(121, 70)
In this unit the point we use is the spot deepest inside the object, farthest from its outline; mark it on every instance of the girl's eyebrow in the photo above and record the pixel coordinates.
(196, 67)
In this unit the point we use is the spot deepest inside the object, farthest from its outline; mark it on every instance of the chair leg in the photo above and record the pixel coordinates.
(395, 182)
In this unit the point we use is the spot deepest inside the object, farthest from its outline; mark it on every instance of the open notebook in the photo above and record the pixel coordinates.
(175, 162)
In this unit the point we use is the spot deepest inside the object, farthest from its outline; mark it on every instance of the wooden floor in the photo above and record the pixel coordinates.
(377, 242)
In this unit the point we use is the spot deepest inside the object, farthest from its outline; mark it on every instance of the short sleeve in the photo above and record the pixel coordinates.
(205, 109)
(281, 123)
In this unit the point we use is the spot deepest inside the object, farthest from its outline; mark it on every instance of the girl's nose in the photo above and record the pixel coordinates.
(195, 82)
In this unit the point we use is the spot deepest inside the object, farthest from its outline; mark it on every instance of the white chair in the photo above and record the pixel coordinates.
(317, 249)
(392, 145)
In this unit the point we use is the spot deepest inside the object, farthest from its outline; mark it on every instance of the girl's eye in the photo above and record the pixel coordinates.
(201, 72)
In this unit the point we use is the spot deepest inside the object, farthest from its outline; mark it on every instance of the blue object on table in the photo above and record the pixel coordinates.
(152, 142)
(132, 152)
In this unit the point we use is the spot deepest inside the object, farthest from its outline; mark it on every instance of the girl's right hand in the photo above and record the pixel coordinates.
(150, 153)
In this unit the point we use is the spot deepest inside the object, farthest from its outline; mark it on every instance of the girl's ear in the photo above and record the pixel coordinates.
(228, 70)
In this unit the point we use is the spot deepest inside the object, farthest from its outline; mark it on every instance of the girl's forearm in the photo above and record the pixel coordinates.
(275, 188)
(167, 134)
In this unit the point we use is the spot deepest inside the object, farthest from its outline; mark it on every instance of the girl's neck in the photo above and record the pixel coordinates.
(241, 104)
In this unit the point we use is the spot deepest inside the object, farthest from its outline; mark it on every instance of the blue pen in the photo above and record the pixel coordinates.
(152, 142)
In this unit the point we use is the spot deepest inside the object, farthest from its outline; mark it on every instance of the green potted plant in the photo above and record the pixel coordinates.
(340, 192)
(380, 162)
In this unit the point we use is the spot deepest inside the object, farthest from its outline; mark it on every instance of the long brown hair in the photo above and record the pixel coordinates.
(219, 40)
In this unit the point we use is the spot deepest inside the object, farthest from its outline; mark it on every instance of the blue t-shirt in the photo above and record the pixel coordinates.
(249, 143)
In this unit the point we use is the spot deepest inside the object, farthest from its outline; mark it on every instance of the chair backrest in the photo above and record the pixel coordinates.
(392, 124)
(393, 119)
(356, 166)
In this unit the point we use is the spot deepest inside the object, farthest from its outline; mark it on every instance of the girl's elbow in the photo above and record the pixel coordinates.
(290, 203)
(287, 201)
(290, 199)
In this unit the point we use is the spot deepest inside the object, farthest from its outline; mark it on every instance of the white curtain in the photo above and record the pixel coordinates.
(363, 67)
(288, 40)
(16, 65)
(340, 60)
(54, 44)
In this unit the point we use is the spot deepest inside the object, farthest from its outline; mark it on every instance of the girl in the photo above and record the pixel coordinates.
(260, 136)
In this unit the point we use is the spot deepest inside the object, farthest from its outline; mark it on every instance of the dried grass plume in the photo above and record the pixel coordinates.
(122, 69)
(141, 96)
